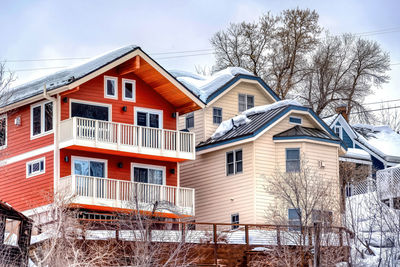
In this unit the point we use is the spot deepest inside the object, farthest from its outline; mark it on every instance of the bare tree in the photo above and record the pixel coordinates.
(6, 79)
(389, 115)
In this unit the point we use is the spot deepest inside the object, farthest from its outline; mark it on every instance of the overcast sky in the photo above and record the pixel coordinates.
(76, 29)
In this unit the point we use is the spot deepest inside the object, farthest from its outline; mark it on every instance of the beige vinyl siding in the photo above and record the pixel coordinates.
(218, 195)
(229, 103)
(198, 128)
(270, 156)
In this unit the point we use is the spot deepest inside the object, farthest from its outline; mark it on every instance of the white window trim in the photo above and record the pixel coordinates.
(149, 110)
(340, 131)
(133, 99)
(234, 162)
(245, 100)
(109, 106)
(116, 87)
(4, 116)
(42, 119)
(73, 158)
(33, 162)
(149, 166)
(295, 117)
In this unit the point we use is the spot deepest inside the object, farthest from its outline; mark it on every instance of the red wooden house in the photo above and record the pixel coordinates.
(104, 133)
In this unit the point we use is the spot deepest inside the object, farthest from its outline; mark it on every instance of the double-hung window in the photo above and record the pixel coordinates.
(235, 220)
(41, 119)
(190, 120)
(148, 117)
(3, 131)
(35, 167)
(338, 131)
(294, 216)
(234, 162)
(217, 115)
(245, 102)
(128, 90)
(292, 160)
(110, 87)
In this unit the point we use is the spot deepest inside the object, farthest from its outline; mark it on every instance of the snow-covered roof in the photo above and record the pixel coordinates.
(65, 76)
(205, 86)
(381, 139)
(330, 119)
(356, 153)
(241, 119)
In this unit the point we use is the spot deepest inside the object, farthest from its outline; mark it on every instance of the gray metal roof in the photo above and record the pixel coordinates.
(306, 131)
(257, 121)
(63, 77)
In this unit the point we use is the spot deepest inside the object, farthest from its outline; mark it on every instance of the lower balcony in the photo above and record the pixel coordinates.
(119, 194)
(154, 143)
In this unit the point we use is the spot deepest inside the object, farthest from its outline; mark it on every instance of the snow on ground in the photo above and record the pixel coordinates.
(236, 121)
(382, 138)
(357, 153)
(204, 86)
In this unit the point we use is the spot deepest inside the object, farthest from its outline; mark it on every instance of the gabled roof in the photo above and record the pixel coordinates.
(207, 88)
(9, 211)
(70, 77)
(259, 122)
(305, 132)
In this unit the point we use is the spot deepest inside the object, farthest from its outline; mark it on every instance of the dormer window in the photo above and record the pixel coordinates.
(245, 102)
(338, 131)
(110, 87)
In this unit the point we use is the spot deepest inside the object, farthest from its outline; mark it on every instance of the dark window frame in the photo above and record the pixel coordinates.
(235, 219)
(234, 163)
(289, 167)
(217, 118)
(189, 120)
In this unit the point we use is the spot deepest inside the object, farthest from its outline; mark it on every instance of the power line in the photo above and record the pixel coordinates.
(386, 101)
(373, 110)
(382, 31)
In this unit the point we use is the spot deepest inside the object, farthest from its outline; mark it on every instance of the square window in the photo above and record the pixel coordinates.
(35, 167)
(217, 115)
(128, 90)
(292, 160)
(110, 87)
(245, 102)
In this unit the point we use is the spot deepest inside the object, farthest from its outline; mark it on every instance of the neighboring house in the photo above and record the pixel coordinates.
(15, 236)
(233, 162)
(104, 132)
(380, 143)
(226, 94)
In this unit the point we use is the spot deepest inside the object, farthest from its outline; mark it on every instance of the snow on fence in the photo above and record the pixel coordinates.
(362, 187)
(388, 182)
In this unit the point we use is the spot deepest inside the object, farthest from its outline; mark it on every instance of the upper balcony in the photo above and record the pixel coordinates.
(82, 133)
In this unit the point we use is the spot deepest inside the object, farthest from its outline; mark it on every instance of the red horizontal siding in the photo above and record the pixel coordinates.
(146, 97)
(27, 193)
(19, 137)
(114, 171)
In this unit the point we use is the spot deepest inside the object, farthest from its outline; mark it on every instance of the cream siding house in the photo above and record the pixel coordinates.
(221, 195)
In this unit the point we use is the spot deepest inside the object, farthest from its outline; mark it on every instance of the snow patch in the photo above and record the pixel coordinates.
(357, 153)
(242, 119)
(204, 86)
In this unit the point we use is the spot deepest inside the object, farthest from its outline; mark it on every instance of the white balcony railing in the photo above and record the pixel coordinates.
(127, 137)
(126, 194)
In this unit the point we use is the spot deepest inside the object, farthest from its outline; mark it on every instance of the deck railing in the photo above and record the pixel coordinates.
(127, 194)
(122, 136)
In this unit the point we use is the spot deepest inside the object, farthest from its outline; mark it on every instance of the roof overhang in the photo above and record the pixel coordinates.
(145, 68)
(266, 127)
(266, 90)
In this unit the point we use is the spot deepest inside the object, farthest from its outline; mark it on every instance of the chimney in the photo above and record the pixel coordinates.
(342, 109)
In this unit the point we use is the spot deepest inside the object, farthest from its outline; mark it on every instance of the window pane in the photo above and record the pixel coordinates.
(239, 155)
(155, 176)
(229, 157)
(3, 131)
(35, 167)
(292, 154)
(29, 169)
(239, 166)
(230, 168)
(89, 111)
(140, 175)
(190, 121)
(36, 120)
(250, 101)
(81, 167)
(48, 117)
(97, 169)
(111, 87)
(242, 103)
(154, 120)
(141, 118)
(292, 166)
(41, 165)
(128, 90)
